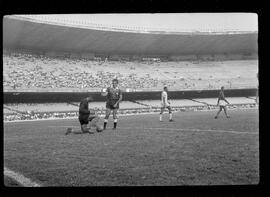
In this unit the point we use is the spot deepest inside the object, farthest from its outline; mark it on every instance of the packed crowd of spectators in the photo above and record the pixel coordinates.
(26, 71)
(37, 72)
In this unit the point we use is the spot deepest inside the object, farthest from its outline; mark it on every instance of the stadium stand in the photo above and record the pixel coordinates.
(23, 111)
(38, 72)
(44, 107)
(174, 103)
(142, 58)
(232, 100)
(19, 111)
(124, 105)
(184, 102)
(61, 107)
(8, 111)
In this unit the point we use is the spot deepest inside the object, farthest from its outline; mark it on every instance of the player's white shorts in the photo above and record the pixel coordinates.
(222, 103)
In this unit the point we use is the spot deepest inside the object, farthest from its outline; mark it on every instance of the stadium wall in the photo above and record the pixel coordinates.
(60, 97)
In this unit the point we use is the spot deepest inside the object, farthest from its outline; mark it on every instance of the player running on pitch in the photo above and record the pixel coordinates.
(165, 104)
(114, 97)
(222, 103)
(86, 116)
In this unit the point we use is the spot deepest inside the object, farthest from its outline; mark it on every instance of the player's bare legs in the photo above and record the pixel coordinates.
(108, 112)
(161, 112)
(115, 118)
(220, 109)
(170, 113)
(225, 111)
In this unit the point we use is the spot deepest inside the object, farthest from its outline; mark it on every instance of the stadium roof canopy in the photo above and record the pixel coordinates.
(133, 34)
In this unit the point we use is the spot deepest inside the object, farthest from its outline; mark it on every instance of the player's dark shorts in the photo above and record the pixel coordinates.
(86, 120)
(110, 105)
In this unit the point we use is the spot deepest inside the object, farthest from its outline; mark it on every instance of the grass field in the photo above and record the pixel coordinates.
(196, 149)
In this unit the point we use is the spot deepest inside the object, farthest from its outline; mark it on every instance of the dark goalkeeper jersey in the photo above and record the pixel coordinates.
(221, 95)
(83, 110)
(113, 94)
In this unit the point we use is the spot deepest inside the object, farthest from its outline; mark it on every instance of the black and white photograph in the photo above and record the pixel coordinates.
(130, 99)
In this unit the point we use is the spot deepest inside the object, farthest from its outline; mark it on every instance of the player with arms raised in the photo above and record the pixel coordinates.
(114, 97)
(165, 104)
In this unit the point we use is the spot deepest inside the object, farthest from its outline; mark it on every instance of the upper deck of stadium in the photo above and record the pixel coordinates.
(88, 34)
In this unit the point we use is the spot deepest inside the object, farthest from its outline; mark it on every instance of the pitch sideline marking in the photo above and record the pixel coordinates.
(196, 130)
(175, 129)
(26, 182)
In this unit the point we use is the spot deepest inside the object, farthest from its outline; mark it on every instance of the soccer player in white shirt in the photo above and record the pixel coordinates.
(165, 104)
(222, 103)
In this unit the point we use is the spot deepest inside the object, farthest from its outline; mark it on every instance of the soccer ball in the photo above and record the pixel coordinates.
(99, 128)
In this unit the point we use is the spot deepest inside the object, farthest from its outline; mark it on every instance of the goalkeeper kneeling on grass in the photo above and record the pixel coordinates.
(86, 116)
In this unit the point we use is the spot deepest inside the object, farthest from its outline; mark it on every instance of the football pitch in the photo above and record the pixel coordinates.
(195, 149)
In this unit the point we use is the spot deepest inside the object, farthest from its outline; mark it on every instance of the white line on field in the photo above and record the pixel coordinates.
(26, 182)
(176, 129)
(195, 130)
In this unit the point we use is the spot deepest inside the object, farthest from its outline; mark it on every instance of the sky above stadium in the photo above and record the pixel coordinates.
(177, 21)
